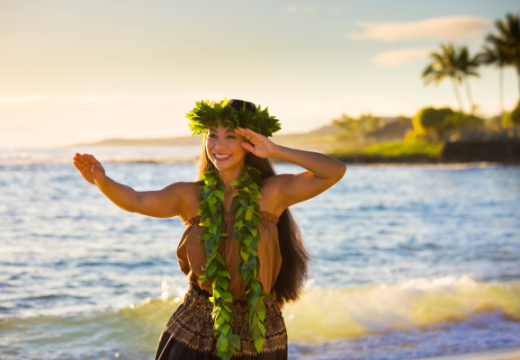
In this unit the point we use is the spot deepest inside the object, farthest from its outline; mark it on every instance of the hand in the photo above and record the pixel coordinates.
(262, 146)
(91, 169)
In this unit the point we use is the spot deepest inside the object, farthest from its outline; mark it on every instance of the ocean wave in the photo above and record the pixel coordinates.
(417, 315)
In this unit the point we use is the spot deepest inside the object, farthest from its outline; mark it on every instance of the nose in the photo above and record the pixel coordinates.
(219, 144)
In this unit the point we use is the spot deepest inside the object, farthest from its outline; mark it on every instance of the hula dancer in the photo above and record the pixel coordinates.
(242, 250)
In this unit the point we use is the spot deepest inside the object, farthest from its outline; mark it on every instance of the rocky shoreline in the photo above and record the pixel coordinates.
(503, 152)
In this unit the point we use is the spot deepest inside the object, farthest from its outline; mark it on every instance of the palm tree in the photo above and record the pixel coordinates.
(506, 45)
(468, 65)
(492, 56)
(445, 64)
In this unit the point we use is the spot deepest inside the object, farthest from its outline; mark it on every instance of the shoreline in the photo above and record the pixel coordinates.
(499, 354)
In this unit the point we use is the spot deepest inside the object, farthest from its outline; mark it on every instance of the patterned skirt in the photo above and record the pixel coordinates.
(189, 332)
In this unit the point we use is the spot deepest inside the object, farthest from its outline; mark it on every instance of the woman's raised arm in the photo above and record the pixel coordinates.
(164, 203)
(323, 171)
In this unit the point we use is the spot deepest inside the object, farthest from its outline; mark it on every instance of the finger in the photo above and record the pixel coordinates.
(252, 133)
(250, 130)
(92, 159)
(244, 135)
(80, 165)
(84, 162)
(240, 131)
(81, 158)
(77, 157)
(248, 146)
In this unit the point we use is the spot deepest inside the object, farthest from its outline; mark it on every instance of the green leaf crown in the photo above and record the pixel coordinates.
(206, 115)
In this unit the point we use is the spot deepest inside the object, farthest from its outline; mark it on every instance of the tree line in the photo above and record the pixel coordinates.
(501, 49)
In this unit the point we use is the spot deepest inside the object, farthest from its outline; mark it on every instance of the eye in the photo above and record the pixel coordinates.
(212, 135)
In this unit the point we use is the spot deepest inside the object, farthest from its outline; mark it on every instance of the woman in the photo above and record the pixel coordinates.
(242, 251)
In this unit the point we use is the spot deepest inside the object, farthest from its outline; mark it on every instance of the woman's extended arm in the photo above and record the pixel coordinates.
(163, 203)
(323, 171)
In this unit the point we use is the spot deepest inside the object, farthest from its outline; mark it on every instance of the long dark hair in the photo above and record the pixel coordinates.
(293, 273)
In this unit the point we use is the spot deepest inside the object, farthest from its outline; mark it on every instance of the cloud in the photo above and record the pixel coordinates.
(291, 8)
(401, 57)
(306, 9)
(448, 27)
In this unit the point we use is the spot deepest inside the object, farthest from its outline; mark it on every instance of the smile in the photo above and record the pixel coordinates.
(222, 157)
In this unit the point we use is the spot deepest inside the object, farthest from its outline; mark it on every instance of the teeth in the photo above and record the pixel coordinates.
(222, 156)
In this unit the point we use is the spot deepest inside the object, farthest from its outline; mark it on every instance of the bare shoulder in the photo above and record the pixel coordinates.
(275, 182)
(270, 194)
(181, 188)
(188, 193)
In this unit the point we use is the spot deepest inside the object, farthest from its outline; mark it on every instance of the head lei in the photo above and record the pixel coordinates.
(247, 210)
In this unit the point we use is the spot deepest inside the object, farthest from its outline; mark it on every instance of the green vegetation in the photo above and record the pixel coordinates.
(512, 118)
(504, 47)
(392, 150)
(455, 63)
(431, 123)
(501, 49)
(370, 138)
(351, 128)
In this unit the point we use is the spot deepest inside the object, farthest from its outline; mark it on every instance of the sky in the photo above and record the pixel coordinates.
(74, 71)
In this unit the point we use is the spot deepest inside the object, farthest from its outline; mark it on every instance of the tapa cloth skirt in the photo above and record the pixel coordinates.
(189, 332)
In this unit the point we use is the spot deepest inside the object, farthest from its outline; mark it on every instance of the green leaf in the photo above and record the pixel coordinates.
(206, 222)
(224, 273)
(219, 194)
(261, 314)
(227, 296)
(211, 270)
(222, 343)
(249, 213)
(262, 328)
(256, 333)
(235, 341)
(226, 328)
(216, 292)
(259, 343)
(213, 228)
(244, 255)
(248, 240)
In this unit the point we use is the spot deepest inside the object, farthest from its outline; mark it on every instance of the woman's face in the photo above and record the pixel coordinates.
(224, 148)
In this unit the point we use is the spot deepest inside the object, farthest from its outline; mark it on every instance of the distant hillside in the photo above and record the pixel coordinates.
(323, 138)
(319, 138)
(177, 141)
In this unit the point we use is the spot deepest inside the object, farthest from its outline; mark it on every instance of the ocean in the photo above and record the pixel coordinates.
(408, 261)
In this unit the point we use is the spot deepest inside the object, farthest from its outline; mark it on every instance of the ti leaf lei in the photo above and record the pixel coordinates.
(246, 207)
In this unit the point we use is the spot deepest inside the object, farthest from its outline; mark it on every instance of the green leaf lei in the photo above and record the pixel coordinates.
(246, 207)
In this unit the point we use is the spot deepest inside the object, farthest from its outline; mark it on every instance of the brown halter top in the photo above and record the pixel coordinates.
(192, 257)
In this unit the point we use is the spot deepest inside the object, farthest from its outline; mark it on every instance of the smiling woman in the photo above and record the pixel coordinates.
(242, 251)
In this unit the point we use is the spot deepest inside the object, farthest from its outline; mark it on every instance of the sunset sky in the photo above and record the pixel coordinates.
(85, 70)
